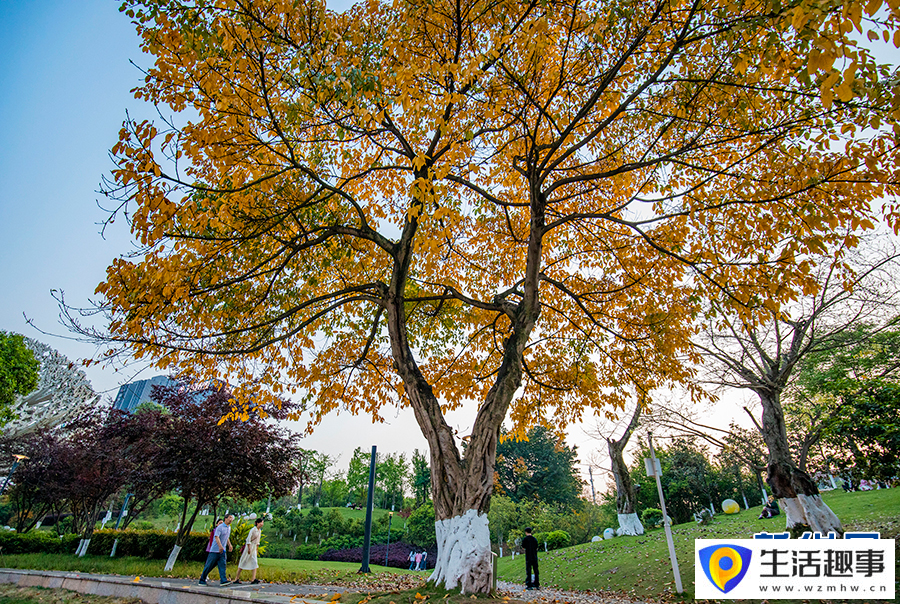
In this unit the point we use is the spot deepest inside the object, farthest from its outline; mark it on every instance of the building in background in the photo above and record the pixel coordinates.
(133, 394)
(63, 392)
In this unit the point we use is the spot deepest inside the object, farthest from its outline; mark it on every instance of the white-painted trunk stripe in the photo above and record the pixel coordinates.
(464, 553)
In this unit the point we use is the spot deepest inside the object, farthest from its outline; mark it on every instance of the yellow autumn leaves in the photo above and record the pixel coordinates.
(655, 150)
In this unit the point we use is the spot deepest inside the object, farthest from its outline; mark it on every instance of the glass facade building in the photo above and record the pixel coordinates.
(133, 394)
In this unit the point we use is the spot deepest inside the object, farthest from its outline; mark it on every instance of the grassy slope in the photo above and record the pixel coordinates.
(351, 513)
(637, 566)
(640, 565)
(170, 522)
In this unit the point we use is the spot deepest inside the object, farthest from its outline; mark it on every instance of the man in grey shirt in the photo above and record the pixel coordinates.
(218, 552)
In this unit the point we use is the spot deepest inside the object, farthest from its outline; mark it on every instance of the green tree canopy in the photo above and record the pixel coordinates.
(849, 399)
(542, 467)
(18, 372)
(420, 478)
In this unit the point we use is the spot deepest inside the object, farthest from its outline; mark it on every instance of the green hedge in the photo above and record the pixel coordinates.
(288, 550)
(143, 544)
(652, 517)
(148, 544)
(37, 542)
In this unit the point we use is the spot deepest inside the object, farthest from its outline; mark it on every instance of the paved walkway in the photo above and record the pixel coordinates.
(156, 590)
(172, 591)
(516, 591)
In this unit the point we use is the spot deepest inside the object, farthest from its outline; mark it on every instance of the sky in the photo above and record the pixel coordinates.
(64, 91)
(65, 79)
(65, 82)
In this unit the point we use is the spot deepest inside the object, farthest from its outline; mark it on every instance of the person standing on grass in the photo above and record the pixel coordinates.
(530, 545)
(423, 566)
(418, 559)
(412, 559)
(219, 551)
(248, 554)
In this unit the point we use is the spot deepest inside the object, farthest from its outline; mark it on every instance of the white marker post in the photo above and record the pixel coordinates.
(654, 469)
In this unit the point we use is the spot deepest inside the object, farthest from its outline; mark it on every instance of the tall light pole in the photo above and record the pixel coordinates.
(370, 502)
(19, 458)
(122, 513)
(593, 493)
(388, 550)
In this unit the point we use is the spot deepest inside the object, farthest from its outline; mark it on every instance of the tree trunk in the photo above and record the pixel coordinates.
(184, 530)
(319, 492)
(797, 494)
(461, 487)
(762, 485)
(629, 523)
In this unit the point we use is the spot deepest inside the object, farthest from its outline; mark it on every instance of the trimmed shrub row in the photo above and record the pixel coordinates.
(143, 544)
(148, 544)
(291, 551)
(37, 542)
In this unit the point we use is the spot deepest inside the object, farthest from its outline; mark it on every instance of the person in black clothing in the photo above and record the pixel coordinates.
(530, 545)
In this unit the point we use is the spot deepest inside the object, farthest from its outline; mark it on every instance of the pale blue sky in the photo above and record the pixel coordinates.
(64, 88)
(65, 79)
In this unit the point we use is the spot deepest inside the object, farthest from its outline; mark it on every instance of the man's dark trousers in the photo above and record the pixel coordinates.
(212, 560)
(531, 566)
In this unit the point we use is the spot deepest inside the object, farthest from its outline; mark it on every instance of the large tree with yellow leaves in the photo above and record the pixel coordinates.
(497, 203)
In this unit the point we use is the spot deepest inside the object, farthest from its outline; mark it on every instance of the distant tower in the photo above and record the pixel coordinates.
(133, 394)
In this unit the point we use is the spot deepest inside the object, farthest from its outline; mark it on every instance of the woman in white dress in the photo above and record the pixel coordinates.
(248, 559)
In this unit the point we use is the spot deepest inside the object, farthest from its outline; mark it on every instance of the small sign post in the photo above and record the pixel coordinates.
(655, 469)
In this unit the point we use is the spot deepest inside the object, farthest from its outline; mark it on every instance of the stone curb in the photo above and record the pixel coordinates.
(151, 590)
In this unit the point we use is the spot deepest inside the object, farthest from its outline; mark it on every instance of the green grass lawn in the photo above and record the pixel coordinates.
(634, 566)
(351, 513)
(271, 570)
(639, 566)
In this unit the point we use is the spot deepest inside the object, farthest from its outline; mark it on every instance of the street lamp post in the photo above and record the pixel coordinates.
(122, 513)
(367, 539)
(19, 458)
(388, 550)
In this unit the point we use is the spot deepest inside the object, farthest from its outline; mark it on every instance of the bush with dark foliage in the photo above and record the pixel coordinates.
(398, 557)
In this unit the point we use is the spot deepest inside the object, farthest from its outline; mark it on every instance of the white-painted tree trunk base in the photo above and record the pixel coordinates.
(464, 554)
(811, 511)
(112, 553)
(82, 547)
(630, 524)
(170, 563)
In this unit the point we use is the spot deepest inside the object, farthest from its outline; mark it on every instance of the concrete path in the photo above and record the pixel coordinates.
(155, 590)
(517, 591)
